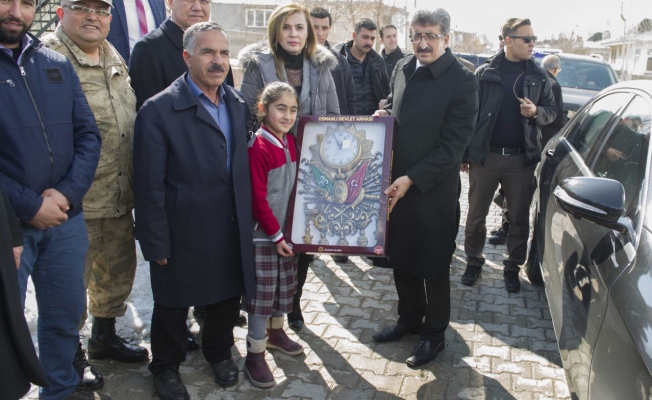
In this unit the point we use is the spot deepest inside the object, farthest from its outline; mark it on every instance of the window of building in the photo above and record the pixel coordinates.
(257, 18)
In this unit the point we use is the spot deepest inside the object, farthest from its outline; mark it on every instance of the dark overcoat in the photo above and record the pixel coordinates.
(435, 108)
(157, 60)
(18, 362)
(189, 208)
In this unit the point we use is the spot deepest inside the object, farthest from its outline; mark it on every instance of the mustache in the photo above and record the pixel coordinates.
(9, 18)
(215, 67)
(426, 50)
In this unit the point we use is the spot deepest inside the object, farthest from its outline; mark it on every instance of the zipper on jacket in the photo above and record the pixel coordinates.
(8, 82)
(38, 113)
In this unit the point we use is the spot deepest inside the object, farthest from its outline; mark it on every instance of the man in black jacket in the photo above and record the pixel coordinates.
(367, 66)
(157, 59)
(552, 64)
(322, 22)
(515, 98)
(391, 52)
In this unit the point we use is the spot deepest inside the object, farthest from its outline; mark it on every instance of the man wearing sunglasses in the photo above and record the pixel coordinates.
(110, 266)
(515, 99)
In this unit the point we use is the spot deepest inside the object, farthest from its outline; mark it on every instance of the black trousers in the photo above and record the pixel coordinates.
(169, 337)
(302, 274)
(420, 299)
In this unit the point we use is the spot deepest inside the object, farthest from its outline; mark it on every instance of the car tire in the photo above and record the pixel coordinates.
(533, 264)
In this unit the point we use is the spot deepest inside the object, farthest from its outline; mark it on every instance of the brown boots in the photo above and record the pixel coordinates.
(279, 340)
(256, 367)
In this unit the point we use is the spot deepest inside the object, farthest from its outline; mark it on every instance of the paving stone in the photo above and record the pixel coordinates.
(499, 345)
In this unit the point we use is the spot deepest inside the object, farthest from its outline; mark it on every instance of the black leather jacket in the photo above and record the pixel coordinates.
(536, 87)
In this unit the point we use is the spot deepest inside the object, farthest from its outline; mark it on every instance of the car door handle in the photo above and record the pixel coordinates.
(550, 153)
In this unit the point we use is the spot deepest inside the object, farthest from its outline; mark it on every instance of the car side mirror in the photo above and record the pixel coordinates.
(598, 200)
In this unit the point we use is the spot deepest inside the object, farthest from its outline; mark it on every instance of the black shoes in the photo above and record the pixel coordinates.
(512, 282)
(296, 325)
(500, 235)
(90, 377)
(192, 341)
(81, 392)
(104, 343)
(169, 386)
(425, 352)
(226, 372)
(340, 259)
(392, 333)
(242, 320)
(471, 275)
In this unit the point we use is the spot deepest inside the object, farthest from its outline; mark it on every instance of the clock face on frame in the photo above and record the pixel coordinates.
(338, 196)
(340, 149)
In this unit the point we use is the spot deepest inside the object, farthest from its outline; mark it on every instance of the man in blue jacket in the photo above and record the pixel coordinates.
(49, 150)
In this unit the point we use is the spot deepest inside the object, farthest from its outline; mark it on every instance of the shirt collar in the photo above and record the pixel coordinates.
(196, 91)
(418, 64)
(26, 42)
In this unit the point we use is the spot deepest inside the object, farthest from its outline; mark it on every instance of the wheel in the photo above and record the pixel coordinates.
(533, 263)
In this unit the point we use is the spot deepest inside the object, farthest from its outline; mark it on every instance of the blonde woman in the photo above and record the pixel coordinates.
(291, 55)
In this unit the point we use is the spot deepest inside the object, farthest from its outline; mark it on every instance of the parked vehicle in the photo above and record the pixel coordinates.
(591, 242)
(476, 59)
(581, 78)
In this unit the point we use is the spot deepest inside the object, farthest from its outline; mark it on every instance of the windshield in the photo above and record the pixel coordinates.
(585, 75)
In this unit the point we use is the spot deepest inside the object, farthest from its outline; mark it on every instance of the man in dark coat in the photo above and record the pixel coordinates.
(192, 193)
(515, 99)
(552, 64)
(434, 100)
(126, 27)
(367, 67)
(322, 22)
(19, 364)
(157, 60)
(391, 52)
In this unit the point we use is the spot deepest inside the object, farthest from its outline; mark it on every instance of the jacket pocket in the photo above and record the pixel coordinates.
(181, 212)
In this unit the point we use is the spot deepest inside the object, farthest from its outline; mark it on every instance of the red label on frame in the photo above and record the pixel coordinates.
(378, 250)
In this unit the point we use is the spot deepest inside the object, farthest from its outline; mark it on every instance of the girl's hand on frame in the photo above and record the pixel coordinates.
(283, 249)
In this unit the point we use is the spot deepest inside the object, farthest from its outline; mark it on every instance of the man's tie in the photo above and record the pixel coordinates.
(142, 18)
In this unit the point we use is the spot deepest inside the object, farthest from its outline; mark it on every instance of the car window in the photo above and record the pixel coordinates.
(623, 156)
(587, 127)
(585, 75)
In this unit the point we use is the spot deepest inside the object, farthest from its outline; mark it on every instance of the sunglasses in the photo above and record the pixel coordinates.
(526, 39)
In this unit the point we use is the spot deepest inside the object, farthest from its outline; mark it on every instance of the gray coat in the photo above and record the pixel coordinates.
(257, 62)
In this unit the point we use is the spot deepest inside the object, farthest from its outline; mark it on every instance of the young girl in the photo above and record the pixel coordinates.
(272, 158)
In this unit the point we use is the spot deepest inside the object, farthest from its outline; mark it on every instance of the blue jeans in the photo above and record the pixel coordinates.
(55, 259)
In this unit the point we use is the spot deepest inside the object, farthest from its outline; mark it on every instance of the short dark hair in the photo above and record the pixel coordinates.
(365, 23)
(388, 26)
(320, 12)
(512, 25)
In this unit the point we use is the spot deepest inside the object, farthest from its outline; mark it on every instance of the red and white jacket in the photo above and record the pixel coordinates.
(273, 165)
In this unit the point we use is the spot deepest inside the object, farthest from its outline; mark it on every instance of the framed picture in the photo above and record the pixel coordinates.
(338, 205)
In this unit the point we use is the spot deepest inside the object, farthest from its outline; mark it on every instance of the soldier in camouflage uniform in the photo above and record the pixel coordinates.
(111, 260)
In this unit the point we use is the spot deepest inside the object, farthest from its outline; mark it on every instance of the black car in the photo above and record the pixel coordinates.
(591, 243)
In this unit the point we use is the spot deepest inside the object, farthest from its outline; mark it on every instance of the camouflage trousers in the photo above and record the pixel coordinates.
(110, 266)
